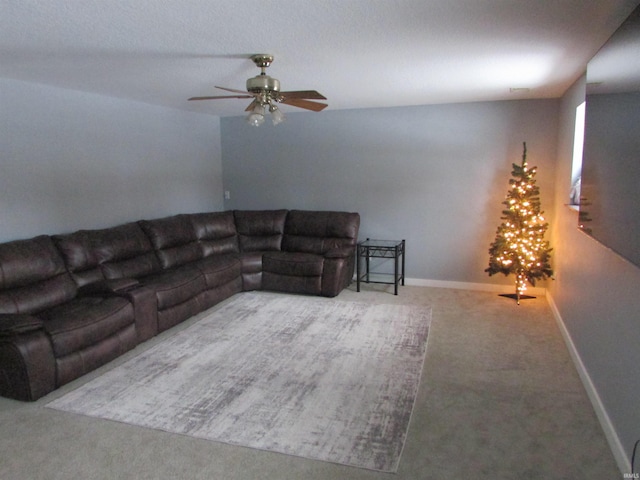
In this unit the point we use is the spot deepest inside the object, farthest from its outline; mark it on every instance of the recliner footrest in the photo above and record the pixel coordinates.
(293, 263)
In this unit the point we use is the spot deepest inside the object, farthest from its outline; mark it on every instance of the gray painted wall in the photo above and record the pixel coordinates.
(596, 294)
(71, 160)
(434, 175)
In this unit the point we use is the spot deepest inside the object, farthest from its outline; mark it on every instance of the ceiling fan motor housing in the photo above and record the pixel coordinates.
(261, 83)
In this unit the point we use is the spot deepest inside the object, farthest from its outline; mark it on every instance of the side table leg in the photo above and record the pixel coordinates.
(395, 272)
(404, 252)
(367, 263)
(357, 269)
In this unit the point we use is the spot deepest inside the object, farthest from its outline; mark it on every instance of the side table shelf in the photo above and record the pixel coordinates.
(369, 249)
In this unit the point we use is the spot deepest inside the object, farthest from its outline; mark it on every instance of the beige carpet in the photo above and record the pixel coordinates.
(312, 377)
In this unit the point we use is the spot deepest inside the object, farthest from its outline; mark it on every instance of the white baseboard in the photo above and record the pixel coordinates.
(483, 287)
(623, 461)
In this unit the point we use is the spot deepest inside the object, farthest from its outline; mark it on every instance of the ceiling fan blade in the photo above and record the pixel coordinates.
(217, 98)
(311, 94)
(234, 90)
(301, 103)
(251, 105)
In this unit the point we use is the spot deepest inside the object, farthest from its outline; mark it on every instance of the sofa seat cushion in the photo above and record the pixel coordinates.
(16, 324)
(85, 321)
(293, 264)
(219, 269)
(176, 285)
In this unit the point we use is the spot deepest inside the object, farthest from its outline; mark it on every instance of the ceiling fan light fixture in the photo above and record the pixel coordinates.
(256, 117)
(276, 114)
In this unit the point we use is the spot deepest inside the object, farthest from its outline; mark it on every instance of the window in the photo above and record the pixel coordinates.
(576, 165)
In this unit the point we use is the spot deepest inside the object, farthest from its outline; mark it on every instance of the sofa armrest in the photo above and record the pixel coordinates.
(143, 299)
(337, 271)
(116, 285)
(342, 252)
(27, 364)
(145, 307)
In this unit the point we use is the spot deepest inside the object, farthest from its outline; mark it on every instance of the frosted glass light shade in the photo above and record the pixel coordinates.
(256, 117)
(276, 115)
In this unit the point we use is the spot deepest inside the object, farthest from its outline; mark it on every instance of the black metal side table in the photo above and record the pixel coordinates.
(369, 249)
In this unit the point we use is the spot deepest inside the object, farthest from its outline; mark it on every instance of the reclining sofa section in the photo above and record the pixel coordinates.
(71, 303)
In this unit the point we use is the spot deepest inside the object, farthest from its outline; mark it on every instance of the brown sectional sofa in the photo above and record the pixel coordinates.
(71, 303)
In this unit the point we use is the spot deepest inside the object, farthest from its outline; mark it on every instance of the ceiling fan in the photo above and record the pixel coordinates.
(265, 91)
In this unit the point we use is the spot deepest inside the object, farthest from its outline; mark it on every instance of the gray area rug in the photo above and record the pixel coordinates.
(311, 377)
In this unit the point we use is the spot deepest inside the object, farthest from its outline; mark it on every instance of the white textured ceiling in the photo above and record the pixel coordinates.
(358, 53)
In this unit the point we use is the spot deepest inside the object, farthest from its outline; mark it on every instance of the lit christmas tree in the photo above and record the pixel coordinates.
(519, 247)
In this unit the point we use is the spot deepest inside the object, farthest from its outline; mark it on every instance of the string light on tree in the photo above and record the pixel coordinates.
(519, 247)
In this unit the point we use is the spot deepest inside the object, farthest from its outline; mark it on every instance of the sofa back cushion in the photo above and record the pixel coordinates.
(215, 232)
(33, 276)
(174, 240)
(260, 230)
(118, 252)
(319, 232)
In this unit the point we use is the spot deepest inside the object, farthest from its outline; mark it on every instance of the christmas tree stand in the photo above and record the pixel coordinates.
(517, 297)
